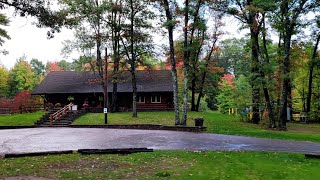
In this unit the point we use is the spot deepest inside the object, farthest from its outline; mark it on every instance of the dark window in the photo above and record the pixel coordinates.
(155, 99)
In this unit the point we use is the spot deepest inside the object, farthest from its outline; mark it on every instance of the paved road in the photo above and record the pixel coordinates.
(56, 139)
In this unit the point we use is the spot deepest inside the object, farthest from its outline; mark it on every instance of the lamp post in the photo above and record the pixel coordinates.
(105, 89)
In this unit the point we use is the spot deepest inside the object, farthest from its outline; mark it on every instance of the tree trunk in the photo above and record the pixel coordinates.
(314, 56)
(265, 89)
(270, 108)
(203, 80)
(290, 22)
(98, 46)
(193, 93)
(133, 65)
(195, 56)
(186, 65)
(170, 27)
(309, 88)
(278, 75)
(204, 75)
(255, 75)
(286, 81)
(134, 94)
(290, 105)
(286, 65)
(114, 91)
(195, 107)
(255, 28)
(115, 75)
(99, 59)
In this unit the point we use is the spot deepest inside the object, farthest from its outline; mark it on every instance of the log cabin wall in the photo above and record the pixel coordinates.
(155, 87)
(155, 101)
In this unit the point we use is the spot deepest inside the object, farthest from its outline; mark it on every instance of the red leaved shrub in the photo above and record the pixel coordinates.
(22, 102)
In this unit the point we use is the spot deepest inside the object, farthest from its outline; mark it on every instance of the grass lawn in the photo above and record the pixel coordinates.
(165, 164)
(215, 122)
(225, 124)
(26, 119)
(163, 118)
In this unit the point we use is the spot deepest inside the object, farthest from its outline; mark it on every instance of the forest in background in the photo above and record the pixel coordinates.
(251, 72)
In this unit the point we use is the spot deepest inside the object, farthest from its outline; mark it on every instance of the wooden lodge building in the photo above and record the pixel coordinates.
(155, 91)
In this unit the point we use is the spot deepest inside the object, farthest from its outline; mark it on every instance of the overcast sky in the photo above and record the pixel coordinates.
(27, 39)
(30, 41)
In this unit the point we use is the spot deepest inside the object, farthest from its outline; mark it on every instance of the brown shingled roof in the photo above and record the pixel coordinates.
(59, 82)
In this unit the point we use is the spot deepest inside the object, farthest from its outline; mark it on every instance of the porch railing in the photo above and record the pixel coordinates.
(60, 113)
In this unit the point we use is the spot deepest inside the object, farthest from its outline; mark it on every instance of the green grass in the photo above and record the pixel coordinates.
(225, 124)
(165, 164)
(163, 118)
(215, 123)
(26, 119)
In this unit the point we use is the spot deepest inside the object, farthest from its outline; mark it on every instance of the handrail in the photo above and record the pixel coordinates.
(57, 115)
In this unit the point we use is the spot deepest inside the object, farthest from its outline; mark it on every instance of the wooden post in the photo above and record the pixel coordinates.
(51, 119)
(105, 89)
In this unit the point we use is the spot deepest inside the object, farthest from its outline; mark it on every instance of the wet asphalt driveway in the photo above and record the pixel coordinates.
(59, 139)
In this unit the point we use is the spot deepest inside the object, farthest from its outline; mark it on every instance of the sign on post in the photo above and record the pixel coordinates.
(105, 110)
(288, 113)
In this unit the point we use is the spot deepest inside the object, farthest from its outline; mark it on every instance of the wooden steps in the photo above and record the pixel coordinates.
(64, 121)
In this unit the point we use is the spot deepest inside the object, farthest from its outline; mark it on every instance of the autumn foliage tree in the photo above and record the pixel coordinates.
(226, 95)
(4, 87)
(53, 66)
(21, 77)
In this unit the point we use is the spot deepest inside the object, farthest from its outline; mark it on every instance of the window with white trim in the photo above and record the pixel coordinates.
(141, 99)
(155, 99)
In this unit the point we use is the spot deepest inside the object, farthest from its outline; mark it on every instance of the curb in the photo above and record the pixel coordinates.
(114, 151)
(145, 127)
(312, 156)
(15, 155)
(123, 151)
(16, 127)
(114, 126)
